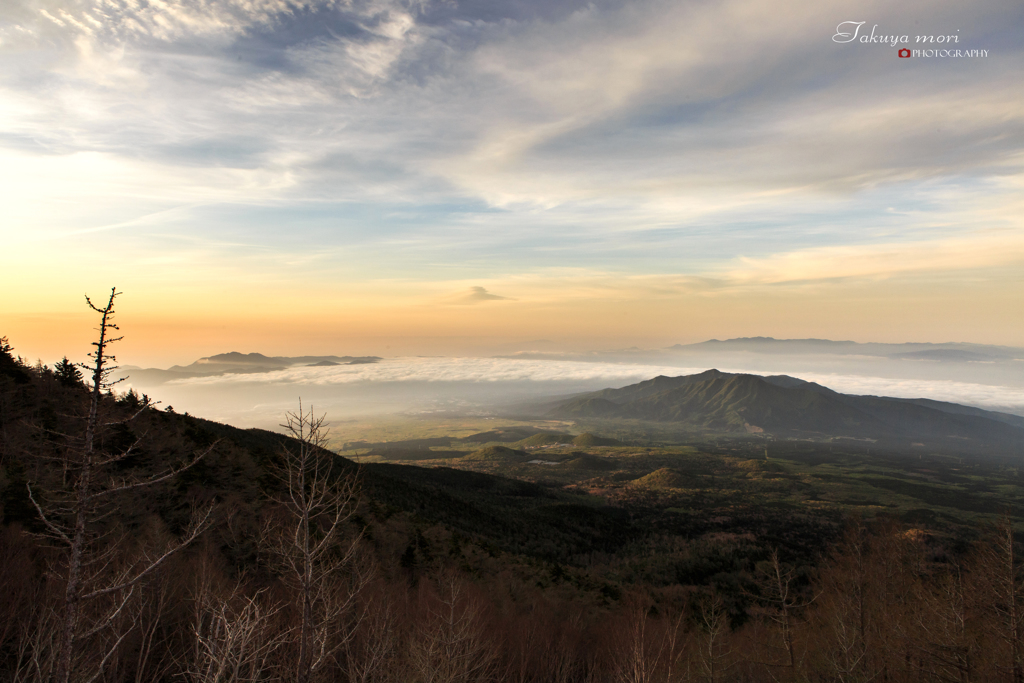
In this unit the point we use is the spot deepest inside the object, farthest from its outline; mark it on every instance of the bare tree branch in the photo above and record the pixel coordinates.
(196, 528)
(42, 515)
(317, 502)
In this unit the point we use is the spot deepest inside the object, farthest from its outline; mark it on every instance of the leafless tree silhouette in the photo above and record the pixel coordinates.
(91, 570)
(318, 499)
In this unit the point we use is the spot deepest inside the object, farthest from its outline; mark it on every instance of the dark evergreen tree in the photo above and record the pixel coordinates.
(132, 400)
(67, 373)
(10, 366)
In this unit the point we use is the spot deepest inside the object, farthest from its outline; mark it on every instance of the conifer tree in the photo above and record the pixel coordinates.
(67, 373)
(72, 516)
(10, 366)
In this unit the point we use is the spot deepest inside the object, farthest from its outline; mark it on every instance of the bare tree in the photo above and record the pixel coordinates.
(542, 645)
(450, 645)
(372, 656)
(714, 625)
(36, 651)
(72, 518)
(234, 635)
(780, 601)
(317, 500)
(945, 641)
(999, 566)
(649, 654)
(841, 620)
(153, 658)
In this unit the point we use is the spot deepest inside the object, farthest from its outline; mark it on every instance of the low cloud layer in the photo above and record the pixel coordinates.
(499, 371)
(990, 397)
(491, 370)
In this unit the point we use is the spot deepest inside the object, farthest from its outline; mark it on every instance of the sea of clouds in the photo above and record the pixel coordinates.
(541, 377)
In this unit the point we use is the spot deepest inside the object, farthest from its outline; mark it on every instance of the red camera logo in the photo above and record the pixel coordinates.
(904, 54)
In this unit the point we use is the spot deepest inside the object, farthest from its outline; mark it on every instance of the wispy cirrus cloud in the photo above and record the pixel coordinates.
(624, 103)
(885, 260)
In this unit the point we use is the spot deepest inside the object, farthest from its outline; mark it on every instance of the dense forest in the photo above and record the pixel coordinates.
(141, 544)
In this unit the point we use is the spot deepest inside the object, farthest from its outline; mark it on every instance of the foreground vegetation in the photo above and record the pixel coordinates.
(511, 554)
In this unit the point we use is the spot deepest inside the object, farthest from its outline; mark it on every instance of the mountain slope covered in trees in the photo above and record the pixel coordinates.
(718, 401)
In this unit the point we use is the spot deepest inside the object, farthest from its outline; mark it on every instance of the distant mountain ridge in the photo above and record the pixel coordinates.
(235, 362)
(726, 402)
(948, 351)
(236, 359)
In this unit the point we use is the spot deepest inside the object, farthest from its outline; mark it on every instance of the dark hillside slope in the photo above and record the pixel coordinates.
(497, 512)
(507, 514)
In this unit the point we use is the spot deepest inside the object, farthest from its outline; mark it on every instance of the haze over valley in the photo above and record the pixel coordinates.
(253, 390)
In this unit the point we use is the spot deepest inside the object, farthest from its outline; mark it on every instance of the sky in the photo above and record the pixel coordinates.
(441, 177)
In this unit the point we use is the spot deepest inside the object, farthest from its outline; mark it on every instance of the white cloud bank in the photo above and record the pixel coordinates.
(495, 371)
(448, 370)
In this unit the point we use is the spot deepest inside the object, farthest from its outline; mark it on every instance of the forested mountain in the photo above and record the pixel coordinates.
(725, 402)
